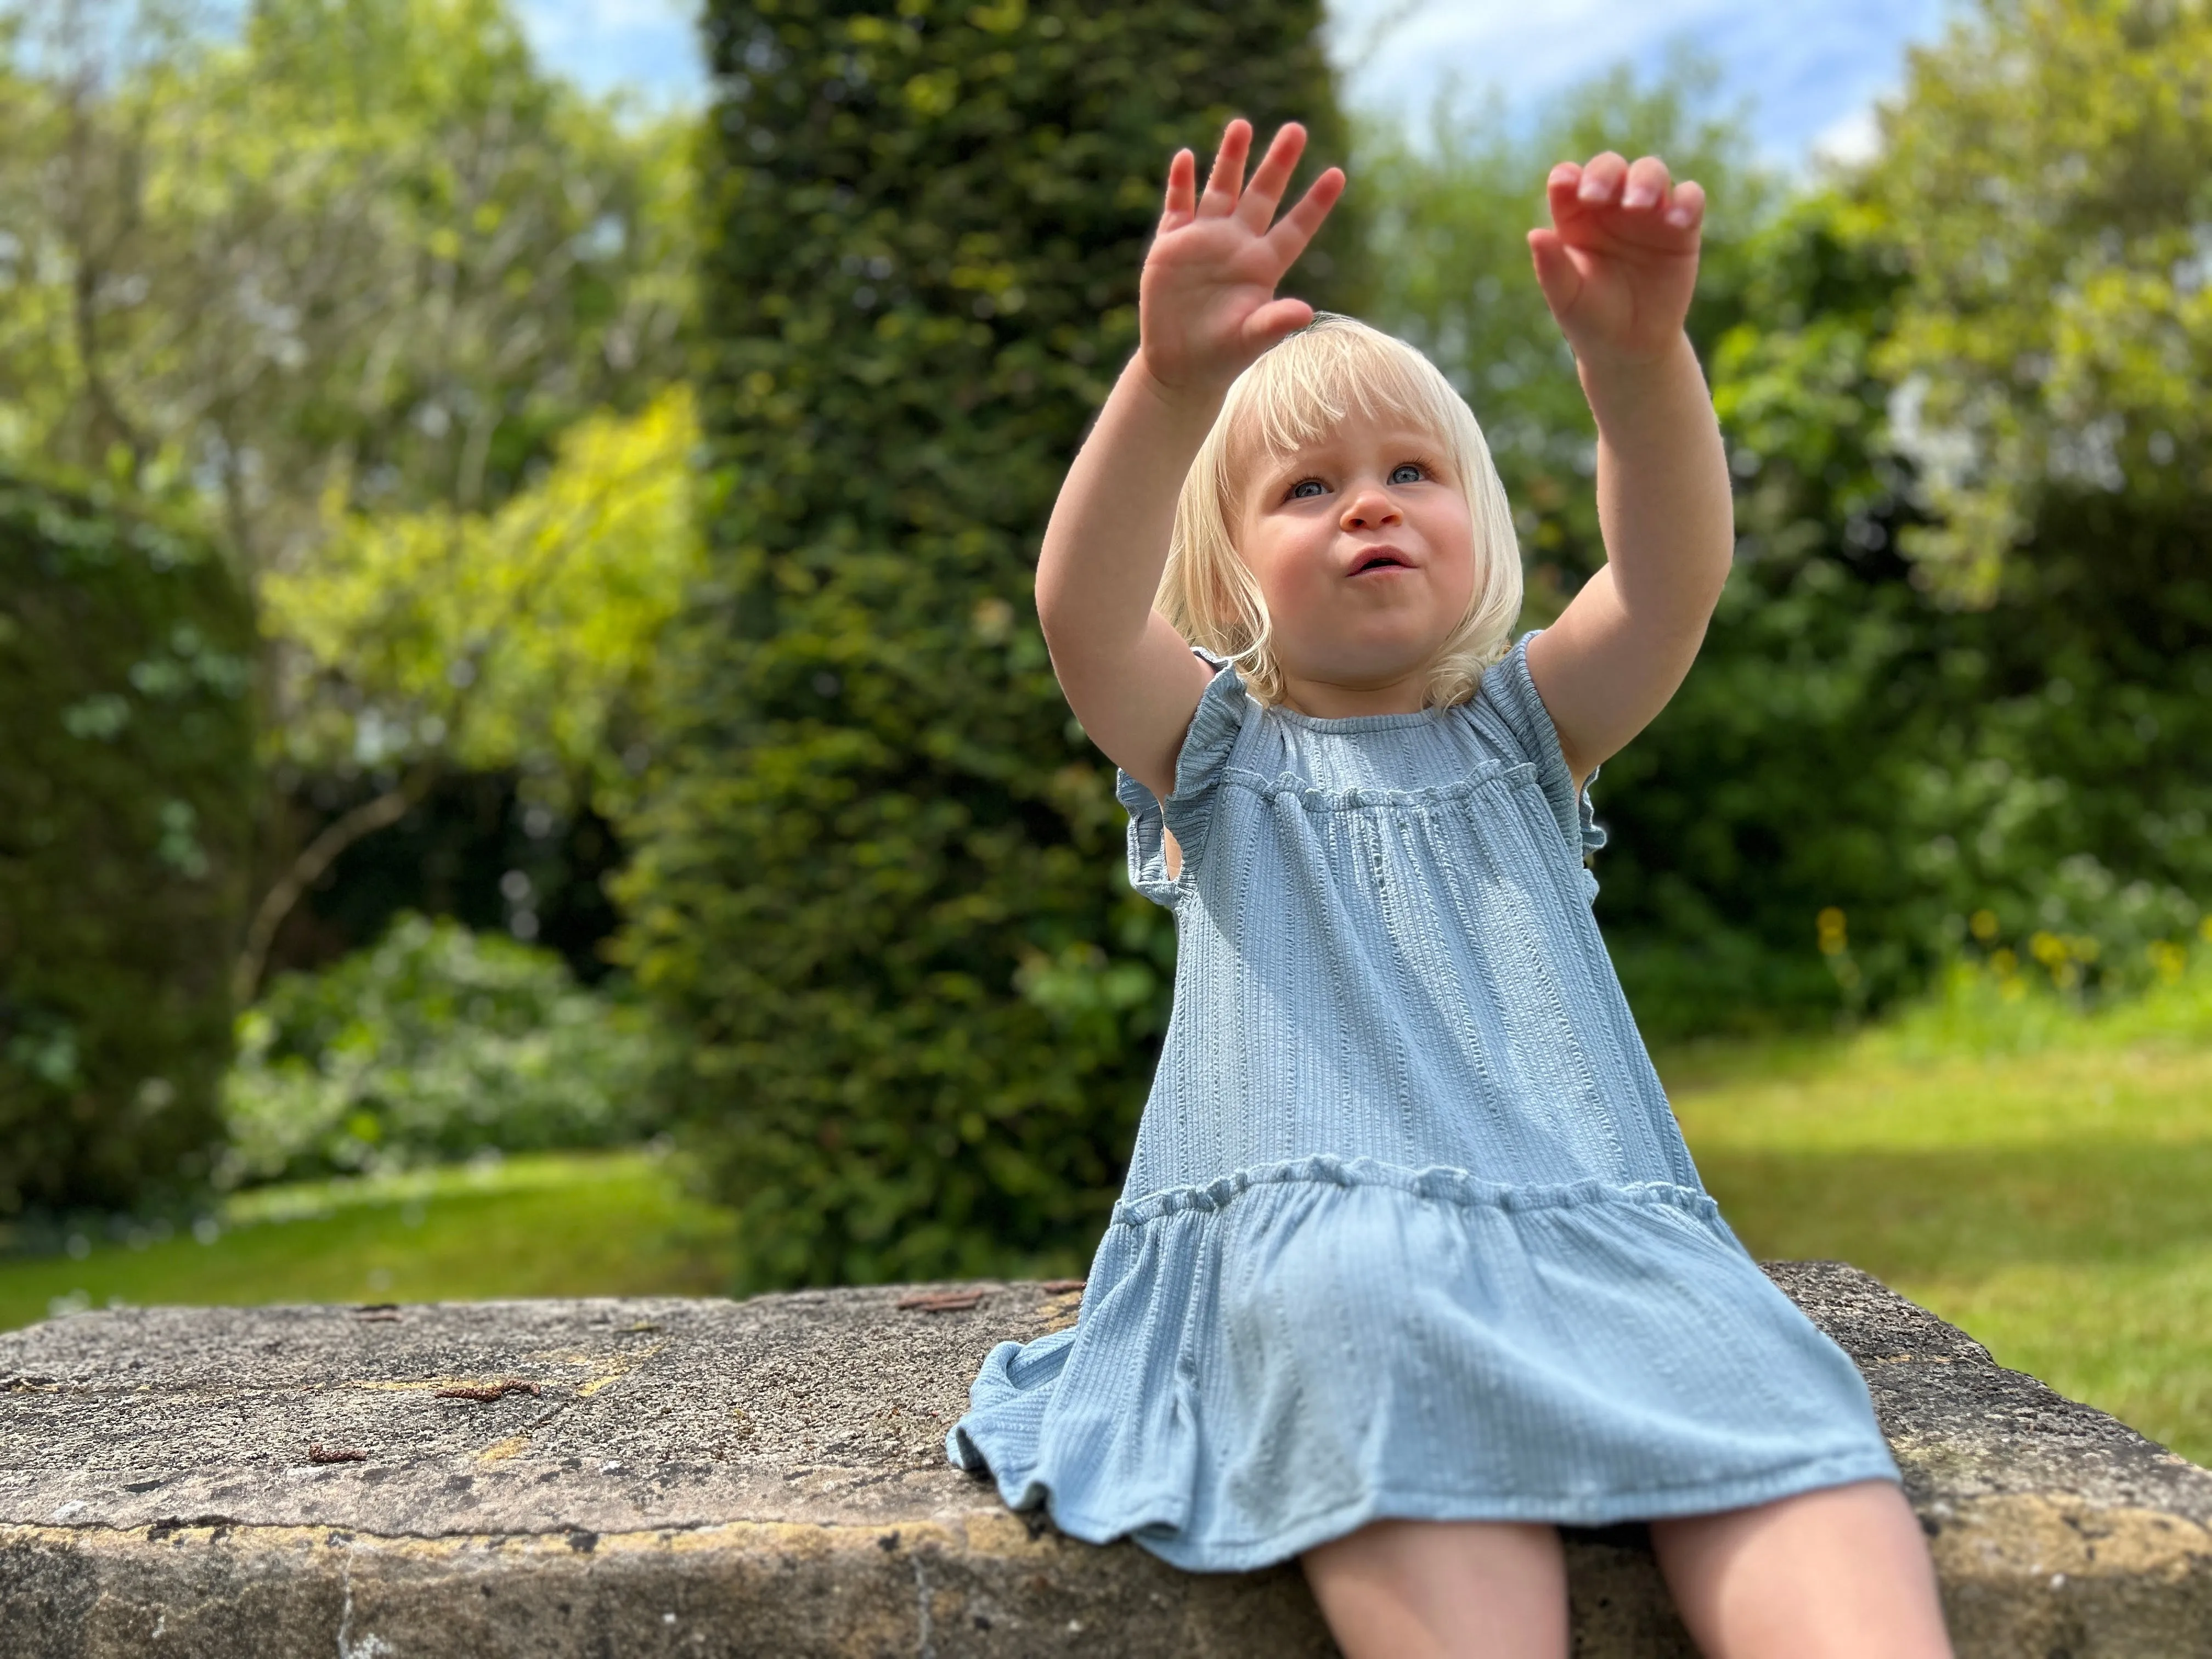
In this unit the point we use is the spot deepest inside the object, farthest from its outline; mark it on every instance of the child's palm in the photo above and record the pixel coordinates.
(1620, 261)
(1207, 301)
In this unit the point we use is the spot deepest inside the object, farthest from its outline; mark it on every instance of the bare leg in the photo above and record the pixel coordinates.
(1839, 1573)
(1444, 1589)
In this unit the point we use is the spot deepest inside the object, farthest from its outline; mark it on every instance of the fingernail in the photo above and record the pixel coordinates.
(1678, 216)
(1593, 190)
(1639, 196)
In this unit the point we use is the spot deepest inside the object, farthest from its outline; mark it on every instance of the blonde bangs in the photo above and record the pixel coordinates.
(1299, 390)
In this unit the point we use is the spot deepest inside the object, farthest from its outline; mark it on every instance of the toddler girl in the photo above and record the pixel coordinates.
(1412, 1265)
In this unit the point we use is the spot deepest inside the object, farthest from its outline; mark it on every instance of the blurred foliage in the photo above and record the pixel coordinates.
(2043, 193)
(877, 881)
(126, 809)
(523, 637)
(309, 262)
(2002, 1001)
(433, 1044)
(2045, 178)
(1769, 794)
(524, 641)
(357, 238)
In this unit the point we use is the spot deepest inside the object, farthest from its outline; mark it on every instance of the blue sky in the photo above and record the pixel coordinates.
(1811, 69)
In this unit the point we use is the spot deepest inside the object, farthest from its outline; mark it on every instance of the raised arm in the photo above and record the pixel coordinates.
(1616, 267)
(1207, 308)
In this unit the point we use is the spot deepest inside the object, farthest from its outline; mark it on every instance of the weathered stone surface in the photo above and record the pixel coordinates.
(767, 1478)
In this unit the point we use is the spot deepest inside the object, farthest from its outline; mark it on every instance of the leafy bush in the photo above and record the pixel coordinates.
(879, 879)
(433, 1044)
(127, 805)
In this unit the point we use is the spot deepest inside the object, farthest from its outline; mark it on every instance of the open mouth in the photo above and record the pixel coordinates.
(1380, 562)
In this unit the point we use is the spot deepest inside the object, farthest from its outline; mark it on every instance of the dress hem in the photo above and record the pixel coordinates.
(1605, 1509)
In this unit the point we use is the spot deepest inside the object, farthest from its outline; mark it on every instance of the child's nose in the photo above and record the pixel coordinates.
(1369, 508)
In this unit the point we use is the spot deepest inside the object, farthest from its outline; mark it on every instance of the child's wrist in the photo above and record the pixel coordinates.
(1187, 396)
(1618, 385)
(1629, 368)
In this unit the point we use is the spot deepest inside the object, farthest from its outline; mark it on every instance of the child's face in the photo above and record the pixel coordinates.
(1363, 547)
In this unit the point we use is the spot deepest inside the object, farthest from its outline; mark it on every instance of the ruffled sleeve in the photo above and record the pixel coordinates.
(1509, 695)
(1198, 765)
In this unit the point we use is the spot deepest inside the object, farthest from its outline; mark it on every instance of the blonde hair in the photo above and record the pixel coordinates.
(1298, 391)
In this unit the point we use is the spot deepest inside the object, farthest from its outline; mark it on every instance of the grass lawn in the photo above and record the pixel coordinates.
(2056, 1203)
(582, 1224)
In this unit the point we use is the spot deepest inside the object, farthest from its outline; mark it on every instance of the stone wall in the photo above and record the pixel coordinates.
(767, 1478)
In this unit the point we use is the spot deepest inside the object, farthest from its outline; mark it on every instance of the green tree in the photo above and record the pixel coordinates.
(877, 885)
(363, 237)
(523, 639)
(2046, 177)
(126, 678)
(355, 258)
(2045, 188)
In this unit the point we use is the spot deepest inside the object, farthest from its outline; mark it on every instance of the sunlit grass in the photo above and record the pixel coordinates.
(2044, 1182)
(583, 1224)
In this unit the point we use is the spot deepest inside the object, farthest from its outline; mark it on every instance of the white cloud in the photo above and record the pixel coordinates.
(1804, 66)
(1525, 49)
(1847, 140)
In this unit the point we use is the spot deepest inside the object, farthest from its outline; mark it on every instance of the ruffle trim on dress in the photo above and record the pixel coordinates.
(1443, 1183)
(1489, 776)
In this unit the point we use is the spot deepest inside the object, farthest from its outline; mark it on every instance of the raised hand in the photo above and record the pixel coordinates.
(1206, 304)
(1620, 261)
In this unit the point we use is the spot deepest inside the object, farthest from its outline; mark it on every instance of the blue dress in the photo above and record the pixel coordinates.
(1409, 1229)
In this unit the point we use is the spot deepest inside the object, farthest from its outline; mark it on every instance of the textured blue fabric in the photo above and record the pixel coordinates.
(1409, 1229)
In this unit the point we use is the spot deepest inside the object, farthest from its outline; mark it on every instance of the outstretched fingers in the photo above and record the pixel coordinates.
(1265, 193)
(1297, 227)
(1603, 175)
(1556, 273)
(1687, 210)
(1181, 205)
(1645, 185)
(1224, 180)
(1610, 196)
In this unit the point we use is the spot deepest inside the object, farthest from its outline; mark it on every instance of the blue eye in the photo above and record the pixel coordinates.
(1407, 473)
(1306, 487)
